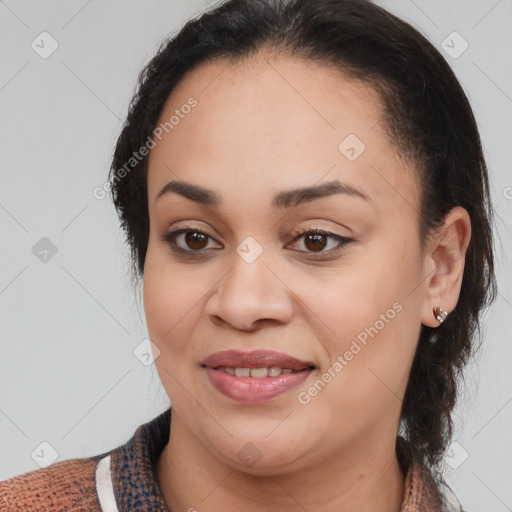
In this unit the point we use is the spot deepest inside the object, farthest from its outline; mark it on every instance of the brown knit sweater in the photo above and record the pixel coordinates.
(124, 480)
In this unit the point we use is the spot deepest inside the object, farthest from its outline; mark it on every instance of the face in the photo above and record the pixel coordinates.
(239, 268)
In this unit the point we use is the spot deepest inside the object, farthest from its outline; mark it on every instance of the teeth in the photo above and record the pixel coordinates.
(258, 373)
(274, 371)
(242, 372)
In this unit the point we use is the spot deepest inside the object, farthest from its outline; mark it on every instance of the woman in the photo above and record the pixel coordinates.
(304, 193)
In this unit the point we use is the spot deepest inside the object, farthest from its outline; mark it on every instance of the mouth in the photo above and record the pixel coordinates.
(251, 377)
(259, 372)
(257, 359)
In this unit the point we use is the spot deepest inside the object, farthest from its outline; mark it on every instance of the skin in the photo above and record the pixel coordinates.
(268, 124)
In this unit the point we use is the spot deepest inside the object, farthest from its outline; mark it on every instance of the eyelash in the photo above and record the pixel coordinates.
(170, 239)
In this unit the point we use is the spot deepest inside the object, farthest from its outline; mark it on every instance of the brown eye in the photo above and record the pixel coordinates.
(192, 242)
(196, 240)
(315, 242)
(187, 240)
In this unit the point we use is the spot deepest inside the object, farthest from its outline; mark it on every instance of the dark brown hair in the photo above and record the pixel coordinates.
(427, 117)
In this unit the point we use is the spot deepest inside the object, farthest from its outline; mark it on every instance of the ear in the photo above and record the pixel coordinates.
(444, 259)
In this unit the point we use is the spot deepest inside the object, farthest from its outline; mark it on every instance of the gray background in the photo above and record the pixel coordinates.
(69, 325)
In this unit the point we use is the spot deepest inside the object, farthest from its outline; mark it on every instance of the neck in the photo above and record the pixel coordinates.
(362, 478)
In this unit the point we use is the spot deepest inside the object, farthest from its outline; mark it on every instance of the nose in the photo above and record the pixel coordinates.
(250, 296)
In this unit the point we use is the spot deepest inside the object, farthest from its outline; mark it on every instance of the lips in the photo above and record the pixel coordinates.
(255, 359)
(257, 376)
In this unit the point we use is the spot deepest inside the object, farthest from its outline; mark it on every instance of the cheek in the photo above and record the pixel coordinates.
(367, 313)
(172, 305)
(350, 300)
(367, 354)
(171, 300)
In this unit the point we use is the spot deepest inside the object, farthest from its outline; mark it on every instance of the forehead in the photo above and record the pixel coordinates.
(270, 123)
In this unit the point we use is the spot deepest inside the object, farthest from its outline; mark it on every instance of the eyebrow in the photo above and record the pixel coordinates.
(282, 200)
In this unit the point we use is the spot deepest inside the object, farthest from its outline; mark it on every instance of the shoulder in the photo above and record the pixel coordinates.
(66, 485)
(116, 478)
